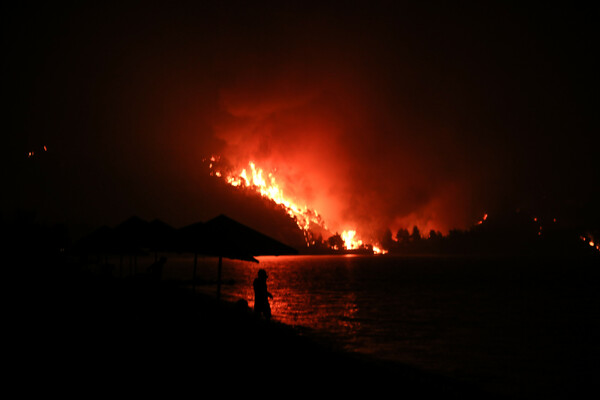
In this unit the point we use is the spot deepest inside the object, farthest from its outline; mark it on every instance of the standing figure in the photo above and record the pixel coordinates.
(156, 268)
(262, 295)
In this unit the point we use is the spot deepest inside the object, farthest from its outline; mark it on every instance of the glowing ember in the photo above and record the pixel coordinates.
(485, 216)
(590, 240)
(33, 153)
(265, 183)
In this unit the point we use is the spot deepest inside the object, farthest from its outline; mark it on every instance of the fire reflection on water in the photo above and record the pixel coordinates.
(473, 318)
(309, 299)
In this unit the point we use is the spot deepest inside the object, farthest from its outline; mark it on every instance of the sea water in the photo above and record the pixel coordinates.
(518, 326)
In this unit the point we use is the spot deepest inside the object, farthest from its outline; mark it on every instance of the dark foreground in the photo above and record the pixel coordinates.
(86, 335)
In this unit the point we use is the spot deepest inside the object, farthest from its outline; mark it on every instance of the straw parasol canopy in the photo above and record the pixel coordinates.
(133, 236)
(224, 237)
(99, 241)
(160, 236)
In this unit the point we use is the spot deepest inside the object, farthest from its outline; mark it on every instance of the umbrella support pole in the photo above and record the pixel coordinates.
(194, 277)
(219, 278)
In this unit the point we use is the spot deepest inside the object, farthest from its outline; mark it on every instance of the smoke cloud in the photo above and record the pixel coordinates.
(344, 134)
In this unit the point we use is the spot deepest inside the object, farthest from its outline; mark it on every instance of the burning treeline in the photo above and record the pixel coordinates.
(518, 231)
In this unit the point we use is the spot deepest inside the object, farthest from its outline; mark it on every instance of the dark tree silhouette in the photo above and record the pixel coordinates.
(386, 240)
(336, 242)
(434, 235)
(415, 236)
(402, 236)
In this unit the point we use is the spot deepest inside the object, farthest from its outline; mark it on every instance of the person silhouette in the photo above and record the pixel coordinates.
(157, 267)
(262, 295)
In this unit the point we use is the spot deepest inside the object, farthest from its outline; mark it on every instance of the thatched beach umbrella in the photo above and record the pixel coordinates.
(160, 237)
(226, 238)
(132, 237)
(132, 234)
(190, 238)
(197, 239)
(100, 242)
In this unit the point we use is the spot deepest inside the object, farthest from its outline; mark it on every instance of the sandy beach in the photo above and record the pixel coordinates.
(80, 332)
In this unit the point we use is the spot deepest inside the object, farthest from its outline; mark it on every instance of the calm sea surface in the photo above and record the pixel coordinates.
(516, 326)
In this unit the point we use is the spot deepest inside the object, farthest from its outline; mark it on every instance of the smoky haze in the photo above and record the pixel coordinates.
(379, 116)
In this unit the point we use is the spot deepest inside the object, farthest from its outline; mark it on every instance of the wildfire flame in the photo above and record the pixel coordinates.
(349, 241)
(33, 153)
(590, 241)
(265, 183)
(485, 216)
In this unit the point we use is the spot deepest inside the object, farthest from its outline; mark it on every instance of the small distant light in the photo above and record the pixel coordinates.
(591, 243)
(45, 148)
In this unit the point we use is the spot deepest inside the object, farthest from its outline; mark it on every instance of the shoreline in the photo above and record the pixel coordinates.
(161, 335)
(73, 324)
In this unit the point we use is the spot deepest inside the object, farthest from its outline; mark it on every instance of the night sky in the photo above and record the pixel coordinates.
(377, 114)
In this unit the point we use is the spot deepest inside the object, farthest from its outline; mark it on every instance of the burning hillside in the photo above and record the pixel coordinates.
(309, 221)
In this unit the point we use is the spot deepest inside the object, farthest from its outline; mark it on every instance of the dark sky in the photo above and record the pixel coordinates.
(378, 114)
